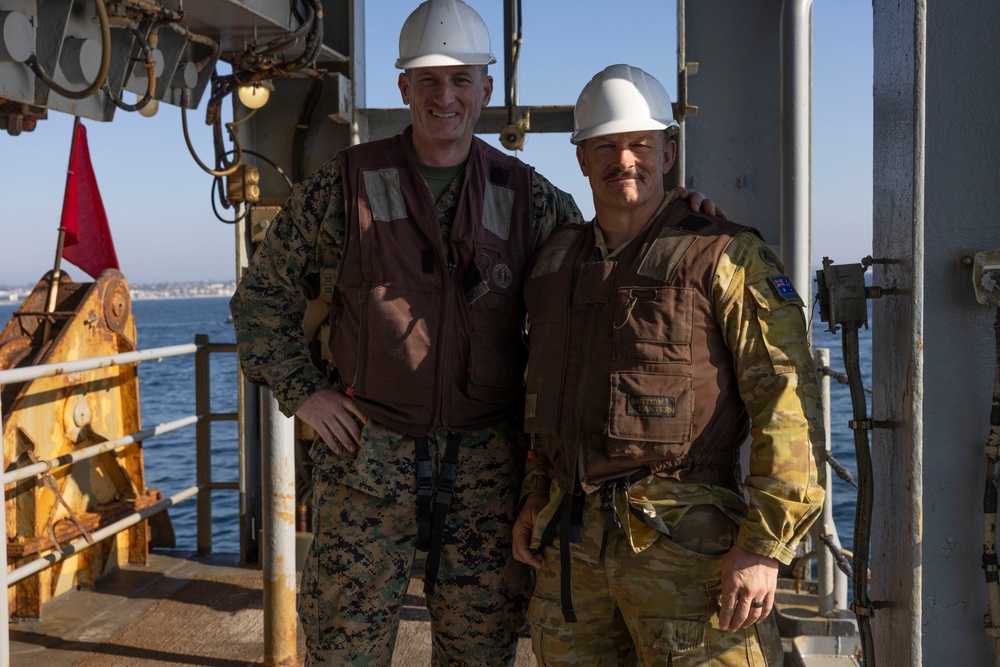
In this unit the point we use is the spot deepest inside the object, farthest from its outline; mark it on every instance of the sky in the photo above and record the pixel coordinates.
(157, 198)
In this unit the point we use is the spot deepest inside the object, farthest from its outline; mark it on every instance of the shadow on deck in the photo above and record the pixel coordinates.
(181, 610)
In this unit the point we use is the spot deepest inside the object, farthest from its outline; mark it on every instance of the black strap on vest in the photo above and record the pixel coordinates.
(608, 512)
(425, 488)
(565, 560)
(569, 523)
(442, 501)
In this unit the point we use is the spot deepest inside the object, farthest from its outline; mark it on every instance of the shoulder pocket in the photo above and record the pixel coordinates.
(782, 327)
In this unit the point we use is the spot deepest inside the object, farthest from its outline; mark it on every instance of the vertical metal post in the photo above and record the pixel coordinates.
(831, 581)
(5, 616)
(279, 535)
(203, 439)
(248, 398)
(796, 143)
(680, 170)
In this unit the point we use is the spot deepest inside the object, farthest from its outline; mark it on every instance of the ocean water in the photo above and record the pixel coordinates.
(166, 390)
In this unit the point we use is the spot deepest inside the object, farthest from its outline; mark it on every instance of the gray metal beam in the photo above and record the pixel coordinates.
(387, 122)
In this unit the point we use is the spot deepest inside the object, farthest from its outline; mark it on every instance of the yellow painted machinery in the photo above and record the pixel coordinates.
(47, 418)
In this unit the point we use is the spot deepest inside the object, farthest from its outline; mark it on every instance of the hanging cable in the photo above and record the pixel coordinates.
(102, 71)
(862, 605)
(218, 187)
(226, 169)
(302, 128)
(150, 66)
(842, 299)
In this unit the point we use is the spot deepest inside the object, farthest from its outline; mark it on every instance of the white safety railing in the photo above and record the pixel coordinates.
(203, 487)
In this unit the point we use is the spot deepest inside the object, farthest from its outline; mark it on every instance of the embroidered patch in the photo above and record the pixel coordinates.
(651, 406)
(502, 276)
(783, 286)
(767, 256)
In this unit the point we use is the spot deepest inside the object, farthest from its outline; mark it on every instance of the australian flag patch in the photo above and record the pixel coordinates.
(783, 286)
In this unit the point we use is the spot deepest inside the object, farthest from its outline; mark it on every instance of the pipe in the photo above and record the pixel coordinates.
(279, 535)
(203, 443)
(796, 143)
(863, 606)
(5, 615)
(34, 469)
(102, 72)
(17, 375)
(39, 564)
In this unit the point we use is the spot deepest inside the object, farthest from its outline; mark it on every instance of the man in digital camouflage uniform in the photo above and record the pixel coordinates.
(659, 339)
(430, 232)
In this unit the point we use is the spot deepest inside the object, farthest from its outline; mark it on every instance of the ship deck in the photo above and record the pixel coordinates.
(181, 610)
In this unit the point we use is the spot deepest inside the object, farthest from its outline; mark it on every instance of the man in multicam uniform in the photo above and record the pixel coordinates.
(430, 232)
(659, 340)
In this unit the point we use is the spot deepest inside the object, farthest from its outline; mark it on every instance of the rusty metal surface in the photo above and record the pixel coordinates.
(50, 417)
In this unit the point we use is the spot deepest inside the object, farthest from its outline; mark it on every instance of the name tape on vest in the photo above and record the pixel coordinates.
(651, 406)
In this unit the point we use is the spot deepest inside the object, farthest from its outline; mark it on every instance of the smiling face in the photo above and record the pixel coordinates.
(445, 103)
(626, 170)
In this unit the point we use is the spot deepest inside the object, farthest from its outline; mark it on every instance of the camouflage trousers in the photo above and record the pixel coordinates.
(358, 569)
(656, 607)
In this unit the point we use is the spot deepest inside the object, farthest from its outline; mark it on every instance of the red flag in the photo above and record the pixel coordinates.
(88, 241)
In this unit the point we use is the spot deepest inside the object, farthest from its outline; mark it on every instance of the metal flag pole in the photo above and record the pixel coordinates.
(50, 303)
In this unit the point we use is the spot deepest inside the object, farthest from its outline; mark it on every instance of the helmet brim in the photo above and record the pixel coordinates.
(619, 127)
(441, 60)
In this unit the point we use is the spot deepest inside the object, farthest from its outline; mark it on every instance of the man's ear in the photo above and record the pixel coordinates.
(487, 90)
(581, 157)
(669, 154)
(404, 87)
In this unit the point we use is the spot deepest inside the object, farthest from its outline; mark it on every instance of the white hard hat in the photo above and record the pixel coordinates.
(621, 98)
(440, 33)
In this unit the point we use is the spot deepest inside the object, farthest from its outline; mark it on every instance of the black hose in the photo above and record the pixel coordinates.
(862, 606)
(302, 129)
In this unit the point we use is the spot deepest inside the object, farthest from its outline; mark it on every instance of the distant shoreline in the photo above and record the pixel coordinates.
(145, 292)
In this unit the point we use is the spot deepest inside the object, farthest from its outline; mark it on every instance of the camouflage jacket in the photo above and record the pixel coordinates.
(303, 239)
(774, 368)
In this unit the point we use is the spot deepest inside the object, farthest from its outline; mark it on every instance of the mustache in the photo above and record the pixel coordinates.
(616, 174)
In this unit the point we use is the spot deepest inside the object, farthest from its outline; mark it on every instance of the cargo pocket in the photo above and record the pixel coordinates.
(496, 366)
(650, 416)
(654, 324)
(782, 327)
(399, 337)
(548, 630)
(680, 640)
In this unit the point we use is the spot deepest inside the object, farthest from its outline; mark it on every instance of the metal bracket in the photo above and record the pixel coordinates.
(986, 277)
(842, 294)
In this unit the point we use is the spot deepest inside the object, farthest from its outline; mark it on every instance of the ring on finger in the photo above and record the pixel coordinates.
(756, 605)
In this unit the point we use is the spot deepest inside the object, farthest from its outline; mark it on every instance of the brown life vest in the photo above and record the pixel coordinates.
(629, 368)
(421, 335)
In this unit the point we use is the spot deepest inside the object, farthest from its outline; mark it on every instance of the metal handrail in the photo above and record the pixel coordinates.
(18, 474)
(50, 559)
(203, 488)
(17, 375)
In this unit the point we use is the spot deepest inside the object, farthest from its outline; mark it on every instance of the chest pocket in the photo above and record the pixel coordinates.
(654, 324)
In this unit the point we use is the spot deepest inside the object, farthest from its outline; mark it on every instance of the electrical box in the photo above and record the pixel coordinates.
(243, 185)
(842, 295)
(986, 277)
